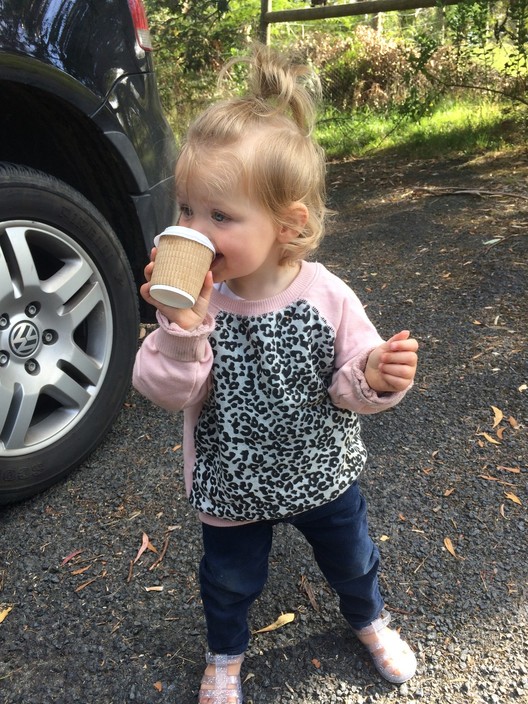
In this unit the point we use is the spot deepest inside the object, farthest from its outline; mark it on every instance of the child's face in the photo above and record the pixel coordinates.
(244, 235)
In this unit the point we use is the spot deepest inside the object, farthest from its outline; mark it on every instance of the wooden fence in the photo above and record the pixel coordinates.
(363, 7)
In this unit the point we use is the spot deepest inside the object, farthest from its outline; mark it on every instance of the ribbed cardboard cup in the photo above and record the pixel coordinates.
(183, 259)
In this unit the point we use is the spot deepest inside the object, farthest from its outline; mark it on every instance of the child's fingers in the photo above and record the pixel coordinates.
(402, 341)
(407, 358)
(397, 371)
(202, 304)
(402, 335)
(147, 271)
(396, 383)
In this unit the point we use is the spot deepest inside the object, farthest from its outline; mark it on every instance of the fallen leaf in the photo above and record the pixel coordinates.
(500, 432)
(5, 609)
(144, 546)
(489, 478)
(281, 621)
(501, 511)
(151, 547)
(449, 546)
(513, 470)
(522, 387)
(316, 663)
(71, 556)
(90, 581)
(498, 415)
(514, 424)
(158, 686)
(489, 438)
(307, 589)
(154, 589)
(512, 497)
(162, 555)
(176, 447)
(384, 538)
(449, 491)
(81, 570)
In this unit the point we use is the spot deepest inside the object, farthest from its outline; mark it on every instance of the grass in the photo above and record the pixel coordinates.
(455, 128)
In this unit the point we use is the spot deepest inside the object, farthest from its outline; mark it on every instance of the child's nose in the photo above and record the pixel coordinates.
(198, 223)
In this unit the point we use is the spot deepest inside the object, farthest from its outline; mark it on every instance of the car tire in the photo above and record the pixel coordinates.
(68, 329)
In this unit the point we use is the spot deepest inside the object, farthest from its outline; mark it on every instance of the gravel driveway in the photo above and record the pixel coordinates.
(84, 617)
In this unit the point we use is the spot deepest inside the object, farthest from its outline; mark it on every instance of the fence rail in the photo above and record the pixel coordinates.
(363, 7)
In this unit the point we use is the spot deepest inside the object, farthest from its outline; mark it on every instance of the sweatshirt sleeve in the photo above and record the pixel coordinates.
(355, 339)
(173, 366)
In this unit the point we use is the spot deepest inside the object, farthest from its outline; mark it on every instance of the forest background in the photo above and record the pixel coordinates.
(446, 80)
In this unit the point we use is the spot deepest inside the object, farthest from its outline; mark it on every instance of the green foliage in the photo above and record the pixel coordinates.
(192, 40)
(385, 75)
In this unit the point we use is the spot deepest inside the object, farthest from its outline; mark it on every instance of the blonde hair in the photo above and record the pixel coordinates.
(284, 164)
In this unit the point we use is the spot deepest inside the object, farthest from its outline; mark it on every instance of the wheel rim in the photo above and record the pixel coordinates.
(55, 335)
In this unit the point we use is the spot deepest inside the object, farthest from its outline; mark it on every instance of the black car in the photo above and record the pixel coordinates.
(86, 182)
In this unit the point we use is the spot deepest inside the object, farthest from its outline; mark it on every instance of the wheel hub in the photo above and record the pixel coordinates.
(24, 339)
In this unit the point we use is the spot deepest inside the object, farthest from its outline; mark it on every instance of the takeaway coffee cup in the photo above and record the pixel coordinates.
(183, 259)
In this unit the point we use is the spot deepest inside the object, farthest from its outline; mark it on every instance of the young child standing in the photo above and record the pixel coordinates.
(272, 367)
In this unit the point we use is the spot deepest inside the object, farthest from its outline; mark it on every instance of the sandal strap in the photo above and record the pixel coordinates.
(223, 660)
(377, 625)
(221, 687)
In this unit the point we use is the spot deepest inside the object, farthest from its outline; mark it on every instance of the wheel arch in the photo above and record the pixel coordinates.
(53, 135)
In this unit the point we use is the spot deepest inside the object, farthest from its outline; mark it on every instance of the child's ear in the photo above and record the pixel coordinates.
(294, 219)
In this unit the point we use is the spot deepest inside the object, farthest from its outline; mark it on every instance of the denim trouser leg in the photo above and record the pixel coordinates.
(233, 572)
(346, 555)
(234, 568)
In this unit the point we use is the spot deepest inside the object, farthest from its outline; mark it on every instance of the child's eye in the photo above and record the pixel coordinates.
(185, 211)
(217, 216)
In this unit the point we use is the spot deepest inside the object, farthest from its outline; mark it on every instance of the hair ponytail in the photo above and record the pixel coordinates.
(288, 87)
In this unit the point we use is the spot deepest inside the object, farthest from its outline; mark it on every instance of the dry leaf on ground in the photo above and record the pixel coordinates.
(281, 621)
(489, 438)
(449, 547)
(498, 415)
(4, 611)
(144, 546)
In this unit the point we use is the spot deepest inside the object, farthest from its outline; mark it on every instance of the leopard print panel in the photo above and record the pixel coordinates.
(269, 441)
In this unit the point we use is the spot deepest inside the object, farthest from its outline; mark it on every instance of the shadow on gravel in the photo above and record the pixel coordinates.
(446, 485)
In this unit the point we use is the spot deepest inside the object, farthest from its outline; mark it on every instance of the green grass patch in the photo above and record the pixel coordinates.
(463, 127)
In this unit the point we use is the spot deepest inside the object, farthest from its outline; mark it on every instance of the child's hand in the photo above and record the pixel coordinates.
(187, 318)
(391, 366)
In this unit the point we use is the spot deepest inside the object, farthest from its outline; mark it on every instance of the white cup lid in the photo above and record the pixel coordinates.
(187, 233)
(172, 296)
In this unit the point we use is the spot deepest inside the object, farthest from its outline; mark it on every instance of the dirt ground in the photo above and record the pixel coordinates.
(440, 248)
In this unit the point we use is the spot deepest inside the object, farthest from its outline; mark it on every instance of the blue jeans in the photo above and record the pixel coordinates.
(234, 568)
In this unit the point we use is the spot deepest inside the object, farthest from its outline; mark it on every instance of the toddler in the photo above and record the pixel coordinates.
(271, 367)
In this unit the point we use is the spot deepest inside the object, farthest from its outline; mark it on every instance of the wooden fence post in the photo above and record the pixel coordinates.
(264, 31)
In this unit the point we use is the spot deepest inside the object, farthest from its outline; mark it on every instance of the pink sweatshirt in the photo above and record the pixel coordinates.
(270, 391)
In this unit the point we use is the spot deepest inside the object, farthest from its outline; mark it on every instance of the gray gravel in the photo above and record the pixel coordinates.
(92, 629)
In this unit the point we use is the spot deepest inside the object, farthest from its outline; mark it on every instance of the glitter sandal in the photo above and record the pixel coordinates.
(221, 688)
(391, 655)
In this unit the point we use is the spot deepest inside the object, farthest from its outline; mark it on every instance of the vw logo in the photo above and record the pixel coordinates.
(24, 339)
